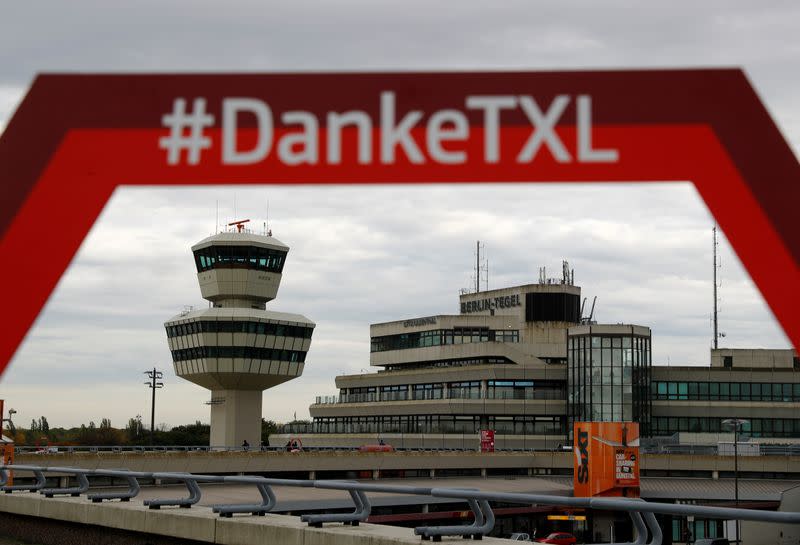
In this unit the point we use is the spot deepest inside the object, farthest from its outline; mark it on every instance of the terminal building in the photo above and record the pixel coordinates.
(236, 348)
(524, 362)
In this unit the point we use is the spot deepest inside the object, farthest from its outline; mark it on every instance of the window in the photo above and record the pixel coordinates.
(727, 361)
(437, 337)
(248, 352)
(249, 257)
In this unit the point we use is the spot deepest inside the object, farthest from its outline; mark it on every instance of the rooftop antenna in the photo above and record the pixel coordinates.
(588, 320)
(486, 281)
(480, 267)
(717, 333)
(216, 219)
(239, 225)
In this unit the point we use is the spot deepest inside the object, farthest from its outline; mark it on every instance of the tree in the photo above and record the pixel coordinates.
(135, 429)
(268, 427)
(44, 427)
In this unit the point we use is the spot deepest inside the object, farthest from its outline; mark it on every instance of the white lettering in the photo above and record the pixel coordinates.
(306, 139)
(491, 106)
(364, 124)
(231, 107)
(447, 134)
(436, 132)
(544, 129)
(585, 152)
(392, 135)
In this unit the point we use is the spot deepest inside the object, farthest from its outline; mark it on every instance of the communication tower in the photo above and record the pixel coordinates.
(236, 348)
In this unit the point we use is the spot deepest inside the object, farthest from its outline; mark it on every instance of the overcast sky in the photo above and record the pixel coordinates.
(369, 254)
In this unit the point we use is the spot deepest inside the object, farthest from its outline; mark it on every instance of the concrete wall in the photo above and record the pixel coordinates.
(762, 533)
(277, 462)
(198, 524)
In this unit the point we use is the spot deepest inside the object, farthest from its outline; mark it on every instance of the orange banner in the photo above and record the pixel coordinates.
(606, 459)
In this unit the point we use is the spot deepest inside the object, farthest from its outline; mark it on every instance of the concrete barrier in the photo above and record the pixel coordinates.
(199, 524)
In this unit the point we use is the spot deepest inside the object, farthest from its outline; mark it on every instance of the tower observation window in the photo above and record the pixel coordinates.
(247, 257)
(238, 326)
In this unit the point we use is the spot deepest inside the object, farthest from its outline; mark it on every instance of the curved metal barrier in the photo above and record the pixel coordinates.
(642, 513)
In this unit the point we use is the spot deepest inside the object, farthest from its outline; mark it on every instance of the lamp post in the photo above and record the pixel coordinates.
(153, 383)
(736, 424)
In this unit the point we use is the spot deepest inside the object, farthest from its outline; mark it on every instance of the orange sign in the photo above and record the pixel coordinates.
(6, 450)
(606, 459)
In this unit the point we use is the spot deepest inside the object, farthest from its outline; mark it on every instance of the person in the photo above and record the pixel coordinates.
(264, 444)
(245, 445)
(381, 441)
(289, 446)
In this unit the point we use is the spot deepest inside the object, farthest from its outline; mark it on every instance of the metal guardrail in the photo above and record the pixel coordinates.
(642, 513)
(687, 449)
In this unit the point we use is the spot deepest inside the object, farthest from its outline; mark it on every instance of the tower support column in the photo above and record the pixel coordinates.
(236, 417)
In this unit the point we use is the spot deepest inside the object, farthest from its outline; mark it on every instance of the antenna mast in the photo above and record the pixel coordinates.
(716, 331)
(478, 267)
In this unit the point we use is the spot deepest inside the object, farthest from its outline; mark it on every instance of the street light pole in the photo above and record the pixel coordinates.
(153, 383)
(736, 424)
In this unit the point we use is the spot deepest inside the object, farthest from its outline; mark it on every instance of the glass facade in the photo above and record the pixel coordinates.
(438, 337)
(495, 389)
(756, 427)
(512, 425)
(248, 352)
(245, 257)
(726, 391)
(239, 326)
(609, 376)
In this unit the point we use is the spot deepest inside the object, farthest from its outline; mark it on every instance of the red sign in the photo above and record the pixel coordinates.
(75, 138)
(487, 440)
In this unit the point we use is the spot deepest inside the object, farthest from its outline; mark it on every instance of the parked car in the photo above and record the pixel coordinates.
(558, 538)
(520, 537)
(713, 541)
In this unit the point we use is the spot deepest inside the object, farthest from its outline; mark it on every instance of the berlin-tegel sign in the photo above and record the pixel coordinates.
(75, 138)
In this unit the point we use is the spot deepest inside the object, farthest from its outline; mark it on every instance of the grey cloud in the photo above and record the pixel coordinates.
(362, 255)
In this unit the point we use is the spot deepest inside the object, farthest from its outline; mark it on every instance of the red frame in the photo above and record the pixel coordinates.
(75, 138)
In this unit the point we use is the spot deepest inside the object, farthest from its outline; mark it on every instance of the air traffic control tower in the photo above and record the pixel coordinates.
(236, 348)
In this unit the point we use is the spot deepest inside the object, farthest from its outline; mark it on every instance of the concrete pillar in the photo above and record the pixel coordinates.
(432, 473)
(715, 475)
(530, 472)
(63, 482)
(237, 418)
(484, 473)
(426, 508)
(376, 474)
(484, 389)
(312, 475)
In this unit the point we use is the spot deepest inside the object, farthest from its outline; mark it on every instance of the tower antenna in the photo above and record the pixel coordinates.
(216, 219)
(479, 266)
(716, 299)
